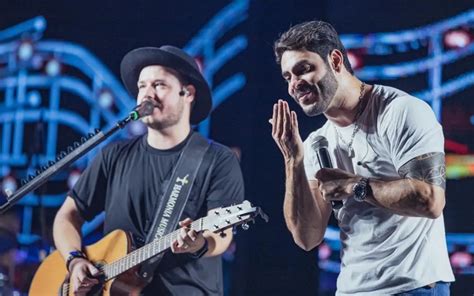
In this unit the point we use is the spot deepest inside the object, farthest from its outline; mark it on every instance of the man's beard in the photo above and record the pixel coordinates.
(167, 121)
(328, 86)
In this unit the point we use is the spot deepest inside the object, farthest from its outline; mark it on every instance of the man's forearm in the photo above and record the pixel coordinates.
(66, 233)
(303, 215)
(408, 197)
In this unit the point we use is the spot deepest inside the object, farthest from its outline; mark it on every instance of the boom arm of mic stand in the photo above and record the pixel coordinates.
(7, 201)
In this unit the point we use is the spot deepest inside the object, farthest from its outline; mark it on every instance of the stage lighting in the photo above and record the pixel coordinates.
(73, 177)
(324, 252)
(25, 51)
(461, 259)
(34, 98)
(106, 99)
(457, 38)
(136, 128)
(9, 183)
(53, 67)
(355, 60)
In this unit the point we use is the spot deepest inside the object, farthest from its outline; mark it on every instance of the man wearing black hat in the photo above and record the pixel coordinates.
(129, 179)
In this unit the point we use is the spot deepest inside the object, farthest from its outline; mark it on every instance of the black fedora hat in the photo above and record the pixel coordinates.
(174, 58)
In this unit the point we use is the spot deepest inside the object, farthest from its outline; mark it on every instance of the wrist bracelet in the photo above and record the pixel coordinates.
(73, 255)
(199, 253)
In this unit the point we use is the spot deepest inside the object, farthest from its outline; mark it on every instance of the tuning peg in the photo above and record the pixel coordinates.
(69, 149)
(50, 163)
(97, 131)
(228, 211)
(76, 144)
(222, 234)
(240, 208)
(83, 140)
(91, 135)
(245, 226)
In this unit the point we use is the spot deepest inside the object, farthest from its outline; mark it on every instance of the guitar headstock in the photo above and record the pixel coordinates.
(224, 218)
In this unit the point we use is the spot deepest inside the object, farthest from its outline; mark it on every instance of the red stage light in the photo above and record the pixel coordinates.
(355, 60)
(457, 38)
(461, 259)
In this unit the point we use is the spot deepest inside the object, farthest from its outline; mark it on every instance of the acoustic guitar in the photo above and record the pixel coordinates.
(114, 256)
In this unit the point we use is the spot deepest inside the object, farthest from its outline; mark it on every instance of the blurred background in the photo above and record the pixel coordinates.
(59, 81)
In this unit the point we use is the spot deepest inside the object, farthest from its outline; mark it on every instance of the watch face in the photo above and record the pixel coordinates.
(359, 191)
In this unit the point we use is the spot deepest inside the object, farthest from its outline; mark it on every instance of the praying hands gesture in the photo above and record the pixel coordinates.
(285, 132)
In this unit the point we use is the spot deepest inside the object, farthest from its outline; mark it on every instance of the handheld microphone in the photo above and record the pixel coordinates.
(320, 145)
(144, 109)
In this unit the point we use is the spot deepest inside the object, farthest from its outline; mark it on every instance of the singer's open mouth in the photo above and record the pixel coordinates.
(305, 97)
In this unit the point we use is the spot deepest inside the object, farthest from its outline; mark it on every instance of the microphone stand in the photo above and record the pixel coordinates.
(73, 153)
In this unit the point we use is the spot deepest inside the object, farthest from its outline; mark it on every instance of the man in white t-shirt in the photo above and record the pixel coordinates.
(387, 187)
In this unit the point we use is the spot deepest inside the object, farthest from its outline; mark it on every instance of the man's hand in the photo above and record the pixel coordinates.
(188, 240)
(285, 132)
(83, 276)
(335, 184)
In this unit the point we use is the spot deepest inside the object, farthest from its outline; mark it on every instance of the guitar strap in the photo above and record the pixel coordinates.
(171, 206)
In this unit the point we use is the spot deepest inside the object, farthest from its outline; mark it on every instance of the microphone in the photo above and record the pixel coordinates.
(144, 109)
(320, 145)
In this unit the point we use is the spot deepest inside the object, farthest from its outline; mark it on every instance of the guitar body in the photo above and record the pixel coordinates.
(120, 264)
(52, 273)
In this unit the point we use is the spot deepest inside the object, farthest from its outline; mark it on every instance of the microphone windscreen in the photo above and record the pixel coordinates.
(318, 142)
(144, 109)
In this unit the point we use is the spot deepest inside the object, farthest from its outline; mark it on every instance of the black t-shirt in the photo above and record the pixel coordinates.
(127, 179)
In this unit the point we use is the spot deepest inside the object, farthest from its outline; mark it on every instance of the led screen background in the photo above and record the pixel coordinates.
(233, 42)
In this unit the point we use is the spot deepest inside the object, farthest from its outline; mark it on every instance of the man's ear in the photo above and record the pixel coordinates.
(336, 60)
(189, 92)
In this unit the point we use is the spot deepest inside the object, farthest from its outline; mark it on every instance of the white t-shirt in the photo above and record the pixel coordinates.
(382, 252)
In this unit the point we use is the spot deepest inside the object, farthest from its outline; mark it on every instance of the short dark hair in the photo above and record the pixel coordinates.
(316, 36)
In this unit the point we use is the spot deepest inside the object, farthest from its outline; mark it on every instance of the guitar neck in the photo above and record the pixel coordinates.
(144, 253)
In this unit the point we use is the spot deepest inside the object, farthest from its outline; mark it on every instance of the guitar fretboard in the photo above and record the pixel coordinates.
(144, 253)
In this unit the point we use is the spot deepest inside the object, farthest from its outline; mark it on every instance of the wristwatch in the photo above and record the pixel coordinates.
(199, 253)
(361, 189)
(73, 255)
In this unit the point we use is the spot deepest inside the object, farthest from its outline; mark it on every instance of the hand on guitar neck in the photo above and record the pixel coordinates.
(188, 240)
